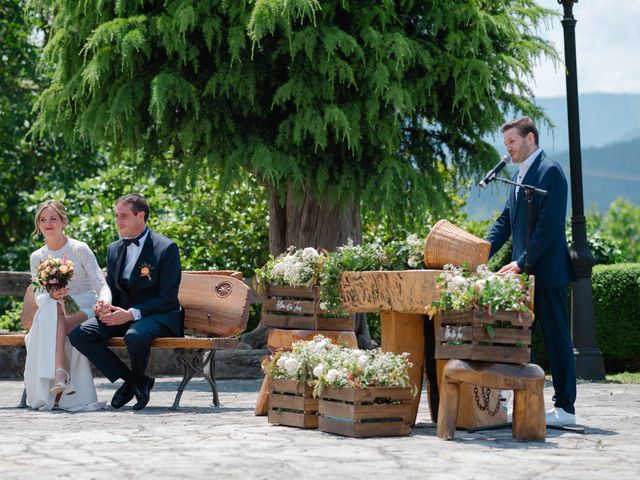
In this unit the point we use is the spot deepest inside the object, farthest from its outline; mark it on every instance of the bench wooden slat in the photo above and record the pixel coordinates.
(184, 342)
(16, 339)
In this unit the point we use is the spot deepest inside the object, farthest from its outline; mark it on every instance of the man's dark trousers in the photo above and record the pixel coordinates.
(551, 314)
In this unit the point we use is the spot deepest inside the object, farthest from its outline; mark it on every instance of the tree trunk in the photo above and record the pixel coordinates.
(306, 222)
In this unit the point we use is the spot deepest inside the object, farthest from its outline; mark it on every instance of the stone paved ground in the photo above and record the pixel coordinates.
(230, 442)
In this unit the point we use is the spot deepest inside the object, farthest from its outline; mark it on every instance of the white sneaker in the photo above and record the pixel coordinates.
(506, 398)
(558, 416)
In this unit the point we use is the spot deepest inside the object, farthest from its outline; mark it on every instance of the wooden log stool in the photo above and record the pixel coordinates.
(527, 382)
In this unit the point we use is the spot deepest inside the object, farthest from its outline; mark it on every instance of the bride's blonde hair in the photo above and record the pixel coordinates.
(57, 207)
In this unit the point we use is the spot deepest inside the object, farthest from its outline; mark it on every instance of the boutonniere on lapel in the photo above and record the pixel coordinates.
(145, 270)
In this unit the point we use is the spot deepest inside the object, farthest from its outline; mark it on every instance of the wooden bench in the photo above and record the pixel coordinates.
(216, 306)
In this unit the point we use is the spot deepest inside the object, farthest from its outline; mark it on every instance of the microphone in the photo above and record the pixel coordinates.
(494, 171)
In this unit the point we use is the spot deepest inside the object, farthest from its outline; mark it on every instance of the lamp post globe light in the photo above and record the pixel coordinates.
(589, 364)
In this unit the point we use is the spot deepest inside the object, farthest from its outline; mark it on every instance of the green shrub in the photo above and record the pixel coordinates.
(10, 310)
(616, 290)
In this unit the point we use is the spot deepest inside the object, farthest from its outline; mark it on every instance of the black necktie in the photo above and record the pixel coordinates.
(136, 241)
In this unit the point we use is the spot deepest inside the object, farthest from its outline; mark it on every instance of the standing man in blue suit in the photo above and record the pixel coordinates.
(544, 255)
(143, 273)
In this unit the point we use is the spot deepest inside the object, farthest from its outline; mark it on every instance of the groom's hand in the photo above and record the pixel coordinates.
(117, 316)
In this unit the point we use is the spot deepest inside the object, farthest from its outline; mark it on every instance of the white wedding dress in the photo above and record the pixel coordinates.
(86, 287)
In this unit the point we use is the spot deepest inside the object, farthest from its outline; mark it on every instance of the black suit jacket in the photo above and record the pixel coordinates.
(155, 295)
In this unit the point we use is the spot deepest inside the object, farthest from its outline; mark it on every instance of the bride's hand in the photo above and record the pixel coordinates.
(59, 293)
(102, 308)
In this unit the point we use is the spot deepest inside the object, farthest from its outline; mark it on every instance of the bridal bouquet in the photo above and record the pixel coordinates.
(55, 273)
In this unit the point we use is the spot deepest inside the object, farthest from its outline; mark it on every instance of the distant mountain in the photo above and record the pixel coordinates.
(610, 145)
(608, 172)
(604, 119)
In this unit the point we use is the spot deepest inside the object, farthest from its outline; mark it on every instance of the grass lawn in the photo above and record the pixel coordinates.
(626, 377)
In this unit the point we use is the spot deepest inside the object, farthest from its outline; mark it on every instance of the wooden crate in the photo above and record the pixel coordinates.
(463, 335)
(365, 412)
(299, 308)
(291, 403)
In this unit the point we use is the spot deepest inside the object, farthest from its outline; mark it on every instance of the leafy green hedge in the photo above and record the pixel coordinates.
(616, 297)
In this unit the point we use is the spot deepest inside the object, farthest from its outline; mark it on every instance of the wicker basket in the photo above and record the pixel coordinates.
(448, 244)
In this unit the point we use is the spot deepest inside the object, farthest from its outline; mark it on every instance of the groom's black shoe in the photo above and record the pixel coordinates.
(142, 391)
(122, 396)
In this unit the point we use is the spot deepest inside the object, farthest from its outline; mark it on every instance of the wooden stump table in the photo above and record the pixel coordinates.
(401, 297)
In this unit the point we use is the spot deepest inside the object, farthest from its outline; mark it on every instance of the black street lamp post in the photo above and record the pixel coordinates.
(589, 364)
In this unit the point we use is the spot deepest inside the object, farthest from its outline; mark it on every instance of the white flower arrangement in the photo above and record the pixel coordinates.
(308, 267)
(294, 267)
(320, 363)
(485, 290)
(301, 362)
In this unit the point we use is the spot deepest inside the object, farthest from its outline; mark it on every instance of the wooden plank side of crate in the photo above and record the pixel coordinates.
(519, 319)
(457, 333)
(291, 419)
(371, 393)
(283, 385)
(300, 322)
(289, 291)
(329, 408)
(338, 427)
(500, 354)
(289, 306)
(511, 336)
(363, 430)
(381, 429)
(453, 351)
(449, 317)
(380, 411)
(292, 402)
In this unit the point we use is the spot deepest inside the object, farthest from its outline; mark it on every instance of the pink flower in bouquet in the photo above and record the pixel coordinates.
(53, 274)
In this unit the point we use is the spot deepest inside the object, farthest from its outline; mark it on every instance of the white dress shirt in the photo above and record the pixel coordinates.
(524, 168)
(133, 253)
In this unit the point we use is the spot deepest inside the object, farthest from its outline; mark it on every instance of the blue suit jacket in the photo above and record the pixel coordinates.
(156, 294)
(548, 252)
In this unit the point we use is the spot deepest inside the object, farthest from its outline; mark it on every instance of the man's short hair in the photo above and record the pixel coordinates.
(524, 126)
(138, 204)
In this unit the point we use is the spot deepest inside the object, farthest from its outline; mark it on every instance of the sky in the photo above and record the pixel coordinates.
(607, 48)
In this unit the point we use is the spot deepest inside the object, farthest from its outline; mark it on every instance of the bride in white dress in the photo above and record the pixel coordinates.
(53, 367)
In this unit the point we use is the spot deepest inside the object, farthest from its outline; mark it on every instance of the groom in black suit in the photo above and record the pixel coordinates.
(143, 273)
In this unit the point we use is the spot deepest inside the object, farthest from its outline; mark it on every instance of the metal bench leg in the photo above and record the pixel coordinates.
(190, 362)
(209, 373)
(23, 402)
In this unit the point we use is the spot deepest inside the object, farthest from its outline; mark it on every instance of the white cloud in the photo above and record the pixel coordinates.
(607, 45)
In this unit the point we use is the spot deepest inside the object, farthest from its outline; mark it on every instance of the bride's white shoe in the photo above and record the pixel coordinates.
(62, 385)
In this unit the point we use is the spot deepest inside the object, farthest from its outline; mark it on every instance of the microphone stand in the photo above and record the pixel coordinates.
(529, 194)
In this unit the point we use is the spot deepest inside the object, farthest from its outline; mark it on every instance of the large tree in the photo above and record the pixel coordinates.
(331, 104)
(26, 162)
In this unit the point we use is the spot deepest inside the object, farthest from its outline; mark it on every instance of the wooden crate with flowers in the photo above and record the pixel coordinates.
(484, 317)
(291, 401)
(292, 296)
(364, 394)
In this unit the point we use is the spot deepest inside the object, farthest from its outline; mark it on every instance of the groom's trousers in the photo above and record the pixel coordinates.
(90, 338)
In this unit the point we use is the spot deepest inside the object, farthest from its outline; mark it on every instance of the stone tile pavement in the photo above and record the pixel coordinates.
(229, 442)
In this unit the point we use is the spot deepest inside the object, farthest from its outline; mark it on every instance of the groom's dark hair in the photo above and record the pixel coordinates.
(138, 204)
